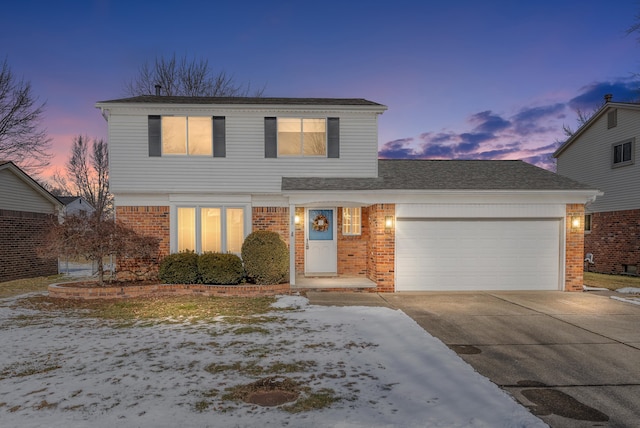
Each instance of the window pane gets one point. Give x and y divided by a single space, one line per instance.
200 136
315 137
235 229
626 152
289 137
186 229
174 134
617 154
211 231
351 221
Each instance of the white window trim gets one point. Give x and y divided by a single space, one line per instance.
633 153
350 226
173 223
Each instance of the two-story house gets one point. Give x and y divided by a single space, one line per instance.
602 154
202 173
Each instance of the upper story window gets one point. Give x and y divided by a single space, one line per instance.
622 153
302 137
352 221
187 135
183 135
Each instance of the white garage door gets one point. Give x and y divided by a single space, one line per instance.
477 254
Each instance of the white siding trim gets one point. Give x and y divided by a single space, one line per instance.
480 211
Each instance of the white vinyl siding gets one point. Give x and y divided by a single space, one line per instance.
245 168
589 160
16 195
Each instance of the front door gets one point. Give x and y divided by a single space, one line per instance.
321 250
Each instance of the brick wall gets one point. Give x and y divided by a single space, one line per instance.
21 233
614 241
352 250
300 244
275 219
147 221
381 260
574 249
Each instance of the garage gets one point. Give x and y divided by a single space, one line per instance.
478 254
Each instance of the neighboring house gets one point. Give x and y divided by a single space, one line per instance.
26 212
602 153
74 205
202 173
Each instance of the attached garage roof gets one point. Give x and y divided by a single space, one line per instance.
443 175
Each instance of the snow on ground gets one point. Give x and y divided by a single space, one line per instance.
631 295
61 370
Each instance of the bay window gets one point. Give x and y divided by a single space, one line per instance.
210 229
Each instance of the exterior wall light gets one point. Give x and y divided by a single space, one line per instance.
388 222
575 222
296 219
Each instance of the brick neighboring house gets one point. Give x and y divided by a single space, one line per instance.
26 211
602 154
202 173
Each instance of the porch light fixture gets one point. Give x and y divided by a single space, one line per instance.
575 222
296 219
388 222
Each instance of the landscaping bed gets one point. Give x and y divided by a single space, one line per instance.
91 290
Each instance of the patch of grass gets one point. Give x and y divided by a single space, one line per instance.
158 309
320 399
27 285
27 368
250 368
612 282
249 329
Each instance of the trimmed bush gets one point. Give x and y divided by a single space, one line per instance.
179 268
218 268
266 258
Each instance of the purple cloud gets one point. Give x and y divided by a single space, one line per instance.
592 95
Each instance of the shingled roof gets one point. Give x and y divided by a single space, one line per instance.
443 175
159 99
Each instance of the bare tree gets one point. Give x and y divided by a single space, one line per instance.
21 138
88 173
95 238
184 77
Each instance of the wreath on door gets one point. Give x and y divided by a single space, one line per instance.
320 223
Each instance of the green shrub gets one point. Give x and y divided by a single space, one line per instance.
265 257
179 268
218 268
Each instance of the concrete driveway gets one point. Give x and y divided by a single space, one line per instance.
572 358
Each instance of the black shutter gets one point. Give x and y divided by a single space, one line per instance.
219 137
155 136
270 137
333 137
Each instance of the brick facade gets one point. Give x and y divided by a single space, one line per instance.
353 249
614 241
147 221
275 219
21 234
574 249
382 248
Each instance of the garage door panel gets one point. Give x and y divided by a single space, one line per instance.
477 255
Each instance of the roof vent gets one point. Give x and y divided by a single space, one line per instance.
607 98
158 87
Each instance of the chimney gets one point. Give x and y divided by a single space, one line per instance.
158 87
607 98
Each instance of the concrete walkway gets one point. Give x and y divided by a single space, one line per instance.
572 358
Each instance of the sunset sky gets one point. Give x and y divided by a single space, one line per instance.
462 79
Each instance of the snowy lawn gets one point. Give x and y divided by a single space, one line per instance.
352 366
